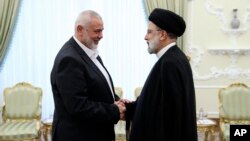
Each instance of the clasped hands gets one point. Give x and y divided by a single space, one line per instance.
122 108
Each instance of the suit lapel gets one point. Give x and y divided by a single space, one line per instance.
92 65
100 60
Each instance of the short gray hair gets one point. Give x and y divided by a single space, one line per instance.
85 17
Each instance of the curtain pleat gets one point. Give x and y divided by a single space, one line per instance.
8 12
43 26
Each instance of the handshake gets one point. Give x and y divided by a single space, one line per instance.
121 104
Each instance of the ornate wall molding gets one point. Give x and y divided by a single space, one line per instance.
219 13
232 71
215 10
233 53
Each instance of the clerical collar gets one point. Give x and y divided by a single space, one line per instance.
92 53
164 49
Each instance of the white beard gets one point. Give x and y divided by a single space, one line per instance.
90 43
152 46
93 45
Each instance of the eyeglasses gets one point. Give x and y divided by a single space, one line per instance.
151 31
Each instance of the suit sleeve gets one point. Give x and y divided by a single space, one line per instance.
72 86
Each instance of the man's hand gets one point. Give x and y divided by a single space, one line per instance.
122 109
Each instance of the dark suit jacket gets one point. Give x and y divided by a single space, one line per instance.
165 109
84 109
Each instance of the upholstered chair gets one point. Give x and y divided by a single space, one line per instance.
189 58
234 107
137 92
21 113
120 126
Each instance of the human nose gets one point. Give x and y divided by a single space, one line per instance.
146 37
100 35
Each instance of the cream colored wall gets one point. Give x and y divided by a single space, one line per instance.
219 54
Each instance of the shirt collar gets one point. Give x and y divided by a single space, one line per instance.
92 53
164 49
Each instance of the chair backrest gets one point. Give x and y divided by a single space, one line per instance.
137 92
119 91
189 58
234 102
22 102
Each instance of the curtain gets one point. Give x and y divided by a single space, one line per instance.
8 11
176 6
43 26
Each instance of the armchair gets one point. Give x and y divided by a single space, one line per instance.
137 92
234 102
119 92
21 113
120 126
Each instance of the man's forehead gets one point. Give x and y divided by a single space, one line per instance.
151 25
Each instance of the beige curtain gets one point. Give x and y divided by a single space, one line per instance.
8 12
176 6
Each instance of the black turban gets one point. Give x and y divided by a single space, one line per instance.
168 21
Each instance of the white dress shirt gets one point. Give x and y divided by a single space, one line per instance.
93 54
163 50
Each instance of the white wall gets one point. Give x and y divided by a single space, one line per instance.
219 54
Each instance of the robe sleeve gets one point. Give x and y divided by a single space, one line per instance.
172 98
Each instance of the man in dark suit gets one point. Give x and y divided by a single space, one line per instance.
86 107
165 109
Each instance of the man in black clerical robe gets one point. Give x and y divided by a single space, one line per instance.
165 109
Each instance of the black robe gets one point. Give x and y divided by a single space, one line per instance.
165 109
